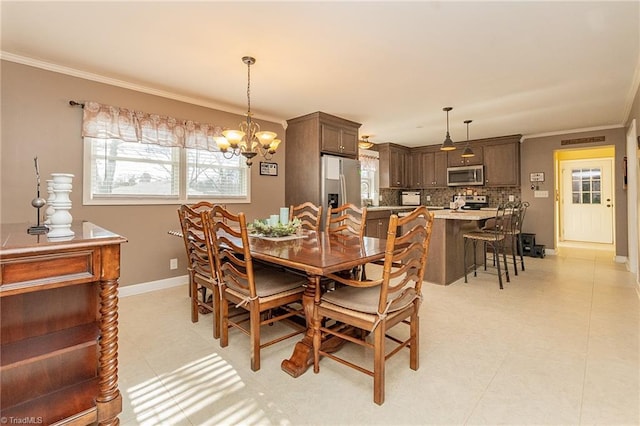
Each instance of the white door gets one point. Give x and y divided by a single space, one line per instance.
587 200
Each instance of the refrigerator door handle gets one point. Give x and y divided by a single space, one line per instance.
343 188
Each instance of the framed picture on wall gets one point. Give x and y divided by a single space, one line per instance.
268 169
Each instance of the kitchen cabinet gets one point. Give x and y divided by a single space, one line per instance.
455 158
377 223
428 168
502 162
395 166
59 318
338 140
306 138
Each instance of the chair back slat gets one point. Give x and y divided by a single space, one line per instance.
193 236
405 255
227 240
309 215
346 219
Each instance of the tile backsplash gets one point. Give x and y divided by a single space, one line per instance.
442 196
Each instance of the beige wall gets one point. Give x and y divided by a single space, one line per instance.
537 155
38 121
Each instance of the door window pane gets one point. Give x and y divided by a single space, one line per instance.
585 186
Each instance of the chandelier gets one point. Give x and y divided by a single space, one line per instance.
248 140
447 145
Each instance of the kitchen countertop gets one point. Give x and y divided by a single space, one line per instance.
383 208
465 214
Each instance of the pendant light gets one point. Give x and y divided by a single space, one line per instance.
468 152
364 143
447 145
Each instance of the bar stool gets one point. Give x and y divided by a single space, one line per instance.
516 235
491 238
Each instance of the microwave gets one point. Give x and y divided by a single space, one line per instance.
465 175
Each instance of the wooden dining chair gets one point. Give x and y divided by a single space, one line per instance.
267 294
347 220
376 306
203 283
309 215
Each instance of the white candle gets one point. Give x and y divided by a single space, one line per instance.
284 215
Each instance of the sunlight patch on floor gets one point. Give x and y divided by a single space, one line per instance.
195 387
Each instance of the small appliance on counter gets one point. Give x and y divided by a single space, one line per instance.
472 202
410 198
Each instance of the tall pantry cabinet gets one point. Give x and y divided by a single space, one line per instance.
307 137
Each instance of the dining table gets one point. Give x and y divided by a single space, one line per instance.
315 254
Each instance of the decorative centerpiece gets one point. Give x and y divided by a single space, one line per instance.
261 227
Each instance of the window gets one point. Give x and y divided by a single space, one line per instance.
585 186
132 157
118 172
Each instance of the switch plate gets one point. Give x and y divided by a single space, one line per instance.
512 198
428 197
173 263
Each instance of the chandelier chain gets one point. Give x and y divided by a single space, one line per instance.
249 88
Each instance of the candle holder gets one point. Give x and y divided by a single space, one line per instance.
38 203
61 219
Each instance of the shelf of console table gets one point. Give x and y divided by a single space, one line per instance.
58 318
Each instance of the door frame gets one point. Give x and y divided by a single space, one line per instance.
600 152
633 201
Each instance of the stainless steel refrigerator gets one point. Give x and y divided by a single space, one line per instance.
340 181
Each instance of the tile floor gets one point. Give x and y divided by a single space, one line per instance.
559 345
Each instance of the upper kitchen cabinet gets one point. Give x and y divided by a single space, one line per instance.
307 137
339 140
455 158
428 168
326 133
502 161
395 166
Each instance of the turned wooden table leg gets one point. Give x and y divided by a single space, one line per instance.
302 357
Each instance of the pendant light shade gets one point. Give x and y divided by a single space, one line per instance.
364 143
468 152
447 145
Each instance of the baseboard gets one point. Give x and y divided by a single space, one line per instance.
622 259
131 290
550 251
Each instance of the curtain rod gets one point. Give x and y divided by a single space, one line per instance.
74 103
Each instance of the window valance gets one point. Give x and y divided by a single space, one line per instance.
112 122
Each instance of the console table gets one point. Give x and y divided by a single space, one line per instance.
59 326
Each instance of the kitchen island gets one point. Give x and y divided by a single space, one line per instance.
445 260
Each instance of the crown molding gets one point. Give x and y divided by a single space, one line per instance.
48 66
566 132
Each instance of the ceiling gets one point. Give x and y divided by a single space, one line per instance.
533 68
